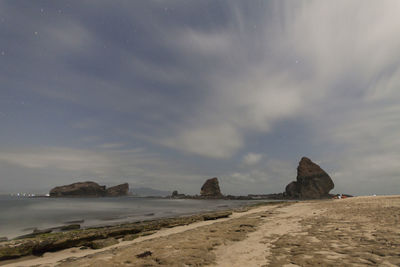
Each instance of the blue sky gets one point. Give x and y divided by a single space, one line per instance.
167 94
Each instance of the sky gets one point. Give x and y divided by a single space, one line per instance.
165 94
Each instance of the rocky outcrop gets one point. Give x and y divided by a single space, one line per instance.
50 242
89 189
217 215
312 182
102 243
118 190
210 189
175 194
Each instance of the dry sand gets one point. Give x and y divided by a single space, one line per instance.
361 231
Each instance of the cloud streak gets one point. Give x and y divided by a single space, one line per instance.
209 86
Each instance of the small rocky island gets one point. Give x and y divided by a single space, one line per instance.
210 189
89 189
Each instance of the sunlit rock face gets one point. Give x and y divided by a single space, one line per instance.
312 182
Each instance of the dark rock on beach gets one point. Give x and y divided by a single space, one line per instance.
217 215
312 182
102 243
70 227
144 254
210 189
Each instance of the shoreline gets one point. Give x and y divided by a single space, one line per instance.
354 231
114 212
50 242
67 255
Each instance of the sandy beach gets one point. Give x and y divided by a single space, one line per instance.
360 231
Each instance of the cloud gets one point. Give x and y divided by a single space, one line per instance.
269 176
111 145
59 158
216 141
88 123
252 158
311 77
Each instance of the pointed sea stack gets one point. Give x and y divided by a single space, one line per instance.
210 189
312 182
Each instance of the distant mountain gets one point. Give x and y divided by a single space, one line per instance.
149 192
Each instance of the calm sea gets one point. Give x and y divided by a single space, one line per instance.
19 215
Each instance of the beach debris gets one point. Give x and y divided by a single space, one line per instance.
340 196
144 254
102 243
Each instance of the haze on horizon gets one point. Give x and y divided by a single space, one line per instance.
167 94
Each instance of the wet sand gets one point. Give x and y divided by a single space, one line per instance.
361 231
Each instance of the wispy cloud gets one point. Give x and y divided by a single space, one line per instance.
201 85
252 158
111 145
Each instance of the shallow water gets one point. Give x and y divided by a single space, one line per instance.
20 215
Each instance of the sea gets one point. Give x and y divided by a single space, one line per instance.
20 215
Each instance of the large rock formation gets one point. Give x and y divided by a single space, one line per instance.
89 189
312 182
210 189
118 190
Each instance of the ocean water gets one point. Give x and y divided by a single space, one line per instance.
19 215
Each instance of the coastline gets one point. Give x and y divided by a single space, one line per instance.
354 231
23 215
42 242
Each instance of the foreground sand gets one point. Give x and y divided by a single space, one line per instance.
358 231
